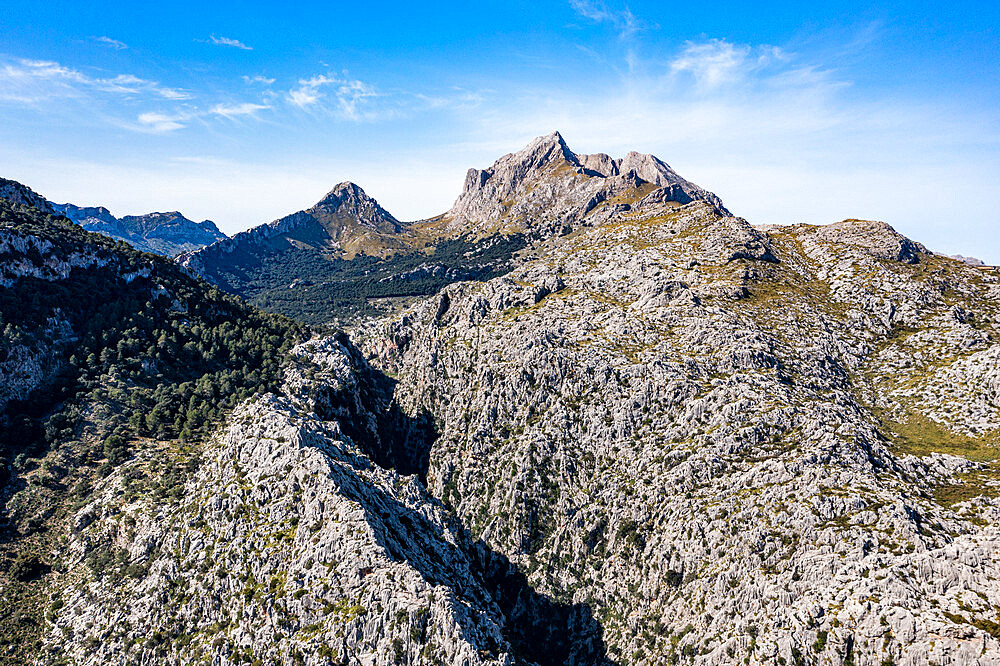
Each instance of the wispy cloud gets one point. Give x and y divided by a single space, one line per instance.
308 92
237 110
32 81
263 80
160 123
454 99
717 62
157 122
113 43
228 41
349 95
598 11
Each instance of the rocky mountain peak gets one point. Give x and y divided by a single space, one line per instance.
549 184
542 151
345 222
347 199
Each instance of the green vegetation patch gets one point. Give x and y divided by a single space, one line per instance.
919 435
308 286
979 483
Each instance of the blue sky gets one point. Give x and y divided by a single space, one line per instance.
244 112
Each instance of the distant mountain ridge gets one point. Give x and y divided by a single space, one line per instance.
167 233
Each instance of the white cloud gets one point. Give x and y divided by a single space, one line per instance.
595 11
257 79
226 41
349 95
598 11
33 81
718 62
236 110
160 123
113 43
308 93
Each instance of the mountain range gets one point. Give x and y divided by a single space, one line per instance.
167 234
605 422
347 255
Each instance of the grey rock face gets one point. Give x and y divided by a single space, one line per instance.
547 185
288 545
726 457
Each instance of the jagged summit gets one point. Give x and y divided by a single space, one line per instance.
546 185
540 151
543 149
